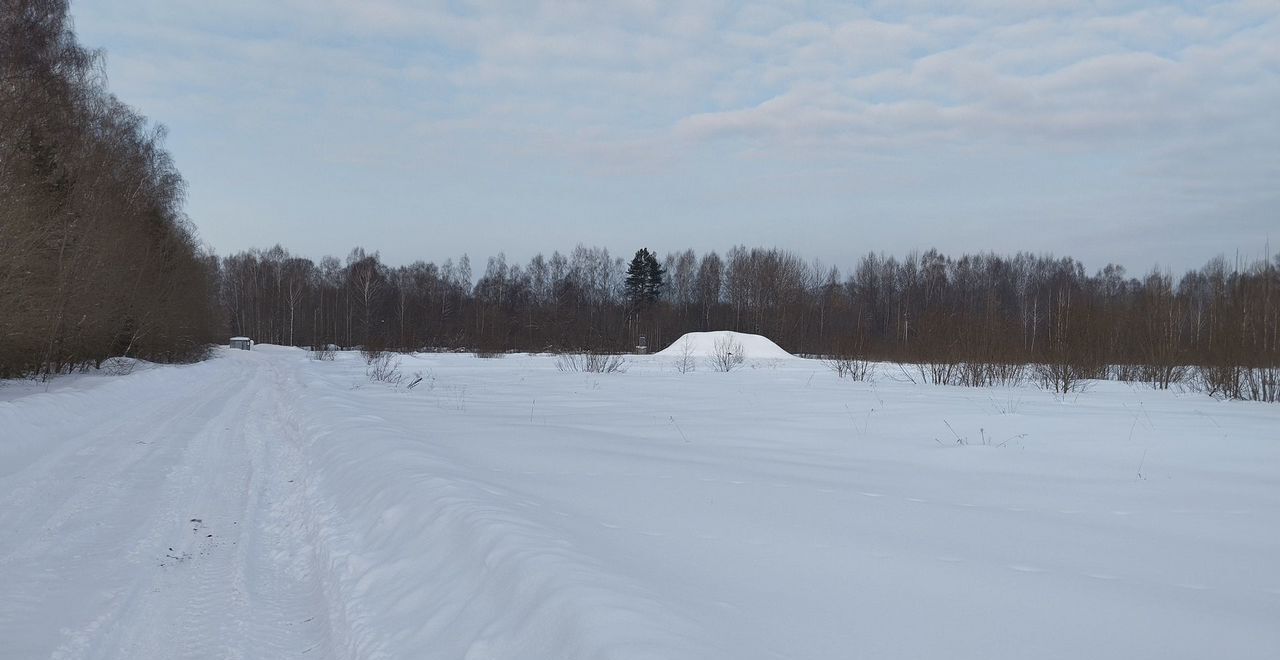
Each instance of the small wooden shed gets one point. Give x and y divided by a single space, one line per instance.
242 343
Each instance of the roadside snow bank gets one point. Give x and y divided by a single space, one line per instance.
703 344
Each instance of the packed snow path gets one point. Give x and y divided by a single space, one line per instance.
159 516
263 506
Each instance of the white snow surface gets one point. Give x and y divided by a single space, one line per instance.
704 344
260 505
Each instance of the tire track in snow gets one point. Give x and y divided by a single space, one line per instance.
91 528
193 554
241 596
101 462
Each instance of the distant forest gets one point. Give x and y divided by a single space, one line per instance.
97 260
926 308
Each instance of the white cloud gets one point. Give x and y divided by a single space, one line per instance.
1167 95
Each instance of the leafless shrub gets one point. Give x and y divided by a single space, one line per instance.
1125 373
371 354
727 355
591 362
384 368
991 374
1008 374
940 372
1220 381
1262 384
119 366
489 355
684 357
322 352
849 367
1161 376
903 375
1243 383
967 373
1060 377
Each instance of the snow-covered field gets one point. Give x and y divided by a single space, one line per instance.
261 505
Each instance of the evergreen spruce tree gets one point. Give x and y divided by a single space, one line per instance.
636 285
654 278
645 279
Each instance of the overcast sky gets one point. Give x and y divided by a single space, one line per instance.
1133 132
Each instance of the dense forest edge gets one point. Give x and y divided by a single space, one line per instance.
97 260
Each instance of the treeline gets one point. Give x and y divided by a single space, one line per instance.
96 256
965 318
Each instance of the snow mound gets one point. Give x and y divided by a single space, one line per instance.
703 344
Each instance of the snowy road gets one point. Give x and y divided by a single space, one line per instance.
160 524
263 506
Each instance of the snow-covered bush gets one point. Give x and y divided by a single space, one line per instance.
599 363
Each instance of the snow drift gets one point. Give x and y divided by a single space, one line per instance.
703 344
